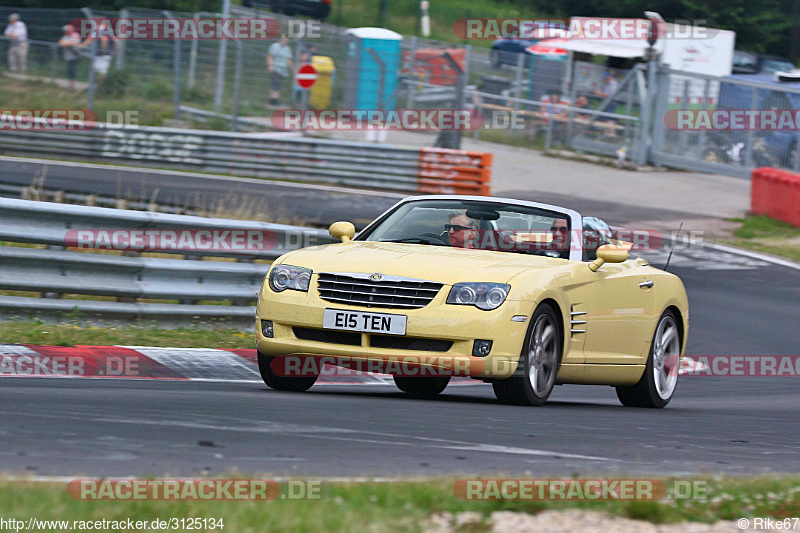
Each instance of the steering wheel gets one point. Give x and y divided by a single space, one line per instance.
440 238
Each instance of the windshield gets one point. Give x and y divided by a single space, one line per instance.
476 225
776 65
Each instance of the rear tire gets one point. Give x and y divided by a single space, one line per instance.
535 376
274 381
657 385
428 387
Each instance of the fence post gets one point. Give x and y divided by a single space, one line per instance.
53 61
237 84
176 71
521 58
411 73
193 55
644 145
90 89
121 44
748 156
458 104
223 47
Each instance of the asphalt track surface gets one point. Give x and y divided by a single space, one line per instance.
739 306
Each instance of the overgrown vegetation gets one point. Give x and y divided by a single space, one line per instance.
764 234
399 506
72 334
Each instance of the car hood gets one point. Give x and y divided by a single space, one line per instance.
434 263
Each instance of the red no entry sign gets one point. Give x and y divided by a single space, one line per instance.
306 76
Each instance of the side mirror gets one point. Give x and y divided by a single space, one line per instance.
344 231
609 253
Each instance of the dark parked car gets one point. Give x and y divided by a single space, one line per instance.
318 9
506 50
750 63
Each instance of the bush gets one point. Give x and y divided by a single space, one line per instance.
114 85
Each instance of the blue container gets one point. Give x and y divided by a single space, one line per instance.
363 88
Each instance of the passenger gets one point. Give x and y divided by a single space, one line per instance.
560 231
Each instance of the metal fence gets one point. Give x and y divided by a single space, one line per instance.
562 103
263 155
124 285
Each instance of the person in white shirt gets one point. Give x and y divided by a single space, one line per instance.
17 33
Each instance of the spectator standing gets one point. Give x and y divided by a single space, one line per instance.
279 65
17 33
106 46
69 43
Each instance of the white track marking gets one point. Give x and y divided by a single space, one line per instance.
16 349
200 363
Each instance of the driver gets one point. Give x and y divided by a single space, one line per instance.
462 230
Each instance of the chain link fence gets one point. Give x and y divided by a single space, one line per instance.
540 100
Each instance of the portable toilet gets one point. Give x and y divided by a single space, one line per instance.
363 82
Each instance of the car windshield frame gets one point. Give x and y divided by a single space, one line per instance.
574 218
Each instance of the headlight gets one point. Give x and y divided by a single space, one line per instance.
283 277
486 296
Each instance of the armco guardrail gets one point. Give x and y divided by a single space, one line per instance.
59 270
262 155
776 193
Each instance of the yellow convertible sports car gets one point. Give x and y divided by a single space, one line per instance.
518 294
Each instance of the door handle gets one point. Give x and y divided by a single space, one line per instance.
646 284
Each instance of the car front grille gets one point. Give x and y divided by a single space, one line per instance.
323 335
390 292
409 343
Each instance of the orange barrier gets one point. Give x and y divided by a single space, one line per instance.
776 194
430 63
444 171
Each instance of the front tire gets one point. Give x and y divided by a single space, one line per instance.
274 381
657 385
535 376
428 387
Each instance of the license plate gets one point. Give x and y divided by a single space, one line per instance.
364 322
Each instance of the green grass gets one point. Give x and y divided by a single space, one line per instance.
396 506
36 332
764 234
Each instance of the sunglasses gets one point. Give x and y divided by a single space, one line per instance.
562 228
456 227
